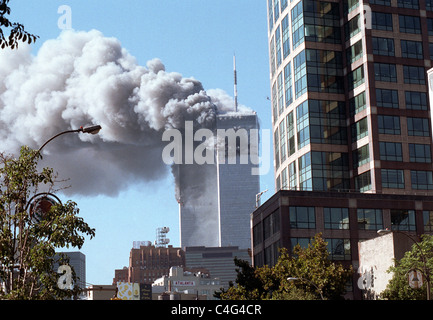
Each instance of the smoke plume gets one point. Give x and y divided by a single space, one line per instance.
84 78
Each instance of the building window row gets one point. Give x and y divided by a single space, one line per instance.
391 125
394 179
304 217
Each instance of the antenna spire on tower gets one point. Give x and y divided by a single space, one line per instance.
235 83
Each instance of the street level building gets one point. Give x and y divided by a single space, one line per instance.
343 218
376 256
180 281
218 260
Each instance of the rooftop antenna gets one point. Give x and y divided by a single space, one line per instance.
236 83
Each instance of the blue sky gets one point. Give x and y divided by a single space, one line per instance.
196 38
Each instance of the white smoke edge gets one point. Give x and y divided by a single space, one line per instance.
83 78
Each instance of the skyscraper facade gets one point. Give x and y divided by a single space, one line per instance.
350 96
217 198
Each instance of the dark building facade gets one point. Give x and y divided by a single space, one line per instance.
343 218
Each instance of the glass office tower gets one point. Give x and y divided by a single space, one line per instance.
349 95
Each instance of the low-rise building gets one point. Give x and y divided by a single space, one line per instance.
376 256
181 281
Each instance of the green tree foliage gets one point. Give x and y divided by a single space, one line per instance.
316 276
27 244
16 30
398 287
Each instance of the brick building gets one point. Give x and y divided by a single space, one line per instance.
148 263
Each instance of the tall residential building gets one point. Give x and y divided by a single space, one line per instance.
350 96
217 198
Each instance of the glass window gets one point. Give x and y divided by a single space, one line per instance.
359 129
361 156
381 2
430 47
322 21
370 219
357 103
390 151
392 178
354 52
303 242
280 84
302 218
381 21
324 71
288 84
278 45
350 5
297 25
270 15
336 218
352 27
385 72
409 24
305 172
419 153
277 148
414 74
421 180
416 100
383 46
283 146
411 49
291 133
389 124
327 122
303 124
403 220
274 102
430 26
330 170
409 4
363 182
356 78
286 36
276 9
300 70
339 249
428 221
292 176
387 98
429 5
418 127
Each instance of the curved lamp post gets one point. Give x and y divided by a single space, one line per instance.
91 130
426 271
312 283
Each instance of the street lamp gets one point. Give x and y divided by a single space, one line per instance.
426 271
303 279
90 130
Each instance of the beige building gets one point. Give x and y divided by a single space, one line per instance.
376 256
185 282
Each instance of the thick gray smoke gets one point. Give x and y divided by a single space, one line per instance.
84 78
